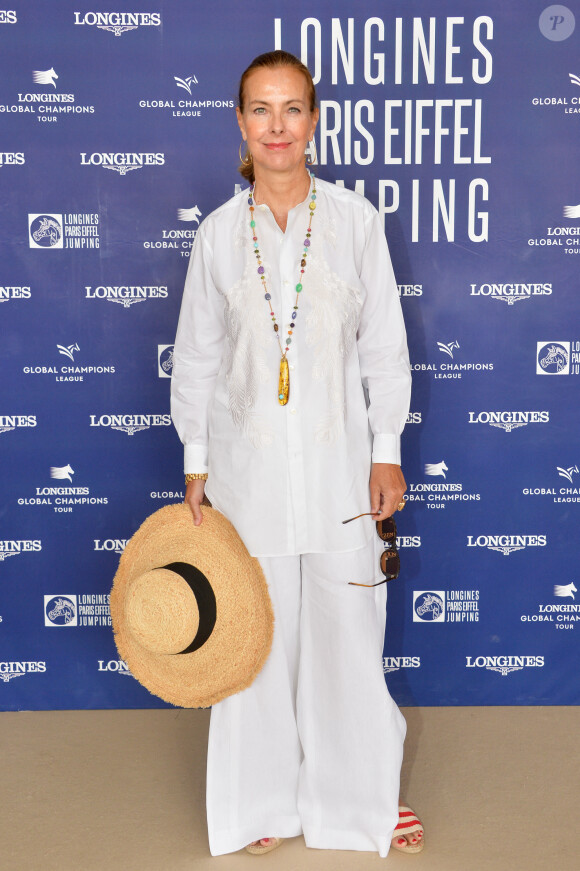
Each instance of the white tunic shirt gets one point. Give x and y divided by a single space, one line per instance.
286 476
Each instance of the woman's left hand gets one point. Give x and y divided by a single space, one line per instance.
387 486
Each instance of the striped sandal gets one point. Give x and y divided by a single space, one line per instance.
409 822
258 848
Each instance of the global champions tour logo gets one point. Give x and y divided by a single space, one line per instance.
46 104
50 231
178 240
561 615
62 499
438 494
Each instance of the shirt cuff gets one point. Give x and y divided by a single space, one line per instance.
195 459
387 448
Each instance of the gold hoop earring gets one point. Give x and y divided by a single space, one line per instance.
247 158
312 154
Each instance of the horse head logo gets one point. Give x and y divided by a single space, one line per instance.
567 473
61 472
567 590
436 468
448 349
63 611
430 607
44 77
555 358
186 83
68 350
49 230
192 214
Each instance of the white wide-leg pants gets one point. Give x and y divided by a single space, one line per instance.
314 746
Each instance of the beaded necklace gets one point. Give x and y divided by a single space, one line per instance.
284 378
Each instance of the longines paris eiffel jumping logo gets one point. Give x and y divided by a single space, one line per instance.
52 231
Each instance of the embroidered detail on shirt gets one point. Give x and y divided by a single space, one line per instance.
247 339
331 325
326 229
241 234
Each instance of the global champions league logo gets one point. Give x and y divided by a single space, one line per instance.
561 494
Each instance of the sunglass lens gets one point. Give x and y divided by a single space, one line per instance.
386 529
390 563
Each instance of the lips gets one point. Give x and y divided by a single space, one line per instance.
277 146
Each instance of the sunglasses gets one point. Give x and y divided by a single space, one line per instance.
389 562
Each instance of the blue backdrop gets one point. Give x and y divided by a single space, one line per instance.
459 121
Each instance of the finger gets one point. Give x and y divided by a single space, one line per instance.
197 515
195 508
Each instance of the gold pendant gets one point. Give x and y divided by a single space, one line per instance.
284 382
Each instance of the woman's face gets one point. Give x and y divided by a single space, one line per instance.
277 122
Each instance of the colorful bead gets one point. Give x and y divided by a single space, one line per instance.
283 397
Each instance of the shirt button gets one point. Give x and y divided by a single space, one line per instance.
292 411
291 366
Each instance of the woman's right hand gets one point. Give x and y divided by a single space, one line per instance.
194 495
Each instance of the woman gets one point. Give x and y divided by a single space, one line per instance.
290 317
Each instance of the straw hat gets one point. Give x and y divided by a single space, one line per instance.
190 608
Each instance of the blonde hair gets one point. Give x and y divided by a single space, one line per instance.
272 60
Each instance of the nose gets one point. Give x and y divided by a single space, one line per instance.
277 125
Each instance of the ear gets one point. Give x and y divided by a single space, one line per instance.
241 124
315 116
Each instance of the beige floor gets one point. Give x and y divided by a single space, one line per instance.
497 788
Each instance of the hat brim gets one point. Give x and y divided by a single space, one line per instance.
241 639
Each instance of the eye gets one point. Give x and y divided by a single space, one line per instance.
259 110
294 109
